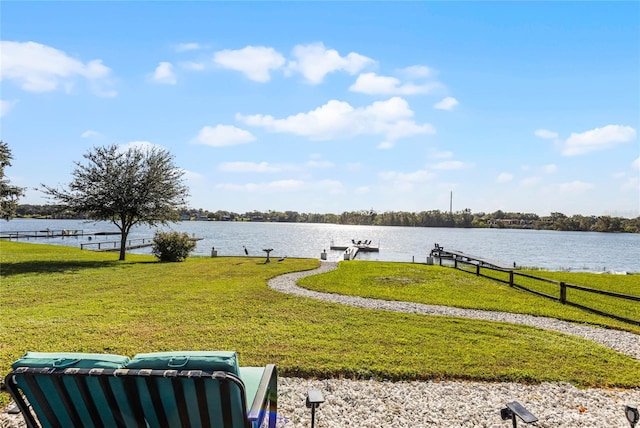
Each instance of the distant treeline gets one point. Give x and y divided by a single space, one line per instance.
433 218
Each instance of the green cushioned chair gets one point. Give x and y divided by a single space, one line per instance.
167 389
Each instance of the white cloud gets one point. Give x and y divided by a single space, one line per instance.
550 169
192 46
632 183
598 139
6 106
248 167
265 167
434 154
372 84
314 61
504 177
416 71
575 186
546 134
406 181
447 103
636 163
39 68
223 135
420 176
390 118
354 167
90 134
320 164
386 145
285 186
255 62
279 186
452 165
192 65
530 181
164 74
362 190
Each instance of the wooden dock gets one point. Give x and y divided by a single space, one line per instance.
131 244
94 245
458 256
51 233
351 251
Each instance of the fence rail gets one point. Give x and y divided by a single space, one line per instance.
115 245
479 264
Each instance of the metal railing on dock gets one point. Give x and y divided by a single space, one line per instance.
131 244
557 290
50 233
352 250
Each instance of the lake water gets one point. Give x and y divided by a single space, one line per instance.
551 250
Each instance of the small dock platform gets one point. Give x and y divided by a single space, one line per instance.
351 251
440 253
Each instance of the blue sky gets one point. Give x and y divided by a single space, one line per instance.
335 106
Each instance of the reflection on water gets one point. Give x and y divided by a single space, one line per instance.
545 249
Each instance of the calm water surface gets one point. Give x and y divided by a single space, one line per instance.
552 250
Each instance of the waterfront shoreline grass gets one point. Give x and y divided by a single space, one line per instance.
65 299
439 285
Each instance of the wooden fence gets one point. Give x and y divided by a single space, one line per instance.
509 276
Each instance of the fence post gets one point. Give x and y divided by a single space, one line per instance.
478 269
511 278
455 263
563 292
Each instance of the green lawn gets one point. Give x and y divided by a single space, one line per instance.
55 298
439 285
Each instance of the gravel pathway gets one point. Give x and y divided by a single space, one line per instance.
375 404
621 341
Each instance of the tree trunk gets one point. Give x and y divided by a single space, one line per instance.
124 227
123 245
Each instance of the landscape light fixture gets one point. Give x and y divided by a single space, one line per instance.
632 415
514 409
314 399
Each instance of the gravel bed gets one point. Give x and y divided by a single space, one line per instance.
364 404
374 404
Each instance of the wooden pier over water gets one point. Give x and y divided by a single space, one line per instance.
131 244
94 245
351 251
51 233
458 256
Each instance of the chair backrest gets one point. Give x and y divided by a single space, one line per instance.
73 397
65 392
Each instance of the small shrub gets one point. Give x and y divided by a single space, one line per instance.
172 246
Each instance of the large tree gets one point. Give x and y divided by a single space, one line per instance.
9 194
140 185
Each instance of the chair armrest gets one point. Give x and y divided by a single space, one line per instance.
267 393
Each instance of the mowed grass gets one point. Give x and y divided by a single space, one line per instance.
56 298
438 285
